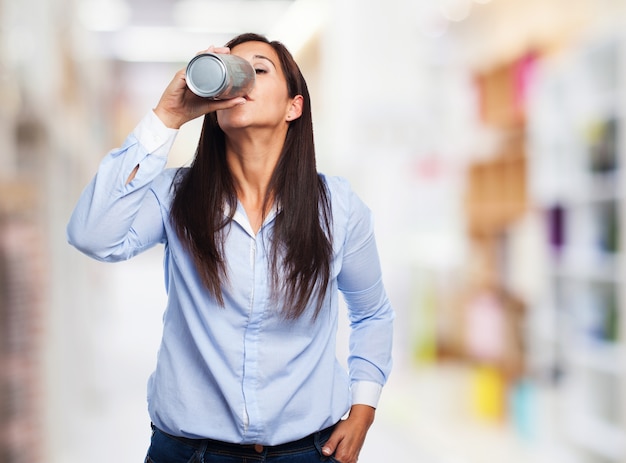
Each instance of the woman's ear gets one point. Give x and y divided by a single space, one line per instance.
295 108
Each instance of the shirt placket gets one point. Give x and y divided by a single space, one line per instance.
252 418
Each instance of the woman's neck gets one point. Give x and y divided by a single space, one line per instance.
252 162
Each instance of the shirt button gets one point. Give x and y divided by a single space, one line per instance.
258 448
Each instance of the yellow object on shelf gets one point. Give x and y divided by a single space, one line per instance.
487 393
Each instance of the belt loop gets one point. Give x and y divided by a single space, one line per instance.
317 438
201 451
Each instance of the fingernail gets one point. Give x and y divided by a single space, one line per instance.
326 451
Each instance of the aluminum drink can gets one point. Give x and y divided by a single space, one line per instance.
220 76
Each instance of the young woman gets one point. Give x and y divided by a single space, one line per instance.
258 245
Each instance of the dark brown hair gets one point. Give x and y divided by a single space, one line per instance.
301 249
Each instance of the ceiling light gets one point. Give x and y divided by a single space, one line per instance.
103 15
159 44
234 16
302 21
456 10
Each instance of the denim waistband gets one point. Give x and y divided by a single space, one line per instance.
212 445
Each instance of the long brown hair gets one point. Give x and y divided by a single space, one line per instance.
301 243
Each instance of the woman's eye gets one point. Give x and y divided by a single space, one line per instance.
260 71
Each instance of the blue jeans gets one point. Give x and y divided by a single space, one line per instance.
170 449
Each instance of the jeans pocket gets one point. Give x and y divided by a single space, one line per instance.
164 449
324 458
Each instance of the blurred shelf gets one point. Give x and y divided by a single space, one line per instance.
596 187
577 147
604 439
599 355
589 265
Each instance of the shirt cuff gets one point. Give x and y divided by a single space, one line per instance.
366 393
154 135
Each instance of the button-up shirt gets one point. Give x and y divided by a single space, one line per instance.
241 373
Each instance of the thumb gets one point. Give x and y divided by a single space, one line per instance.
331 445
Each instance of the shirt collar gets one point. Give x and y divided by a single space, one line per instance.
242 219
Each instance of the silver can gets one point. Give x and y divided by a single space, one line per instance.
220 76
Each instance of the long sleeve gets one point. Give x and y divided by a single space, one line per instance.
115 219
370 311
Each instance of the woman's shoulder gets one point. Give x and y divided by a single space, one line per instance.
350 214
336 184
342 195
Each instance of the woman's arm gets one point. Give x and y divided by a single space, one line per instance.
371 322
117 215
369 309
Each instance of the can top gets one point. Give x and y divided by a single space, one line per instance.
206 75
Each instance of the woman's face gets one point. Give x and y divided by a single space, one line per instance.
268 105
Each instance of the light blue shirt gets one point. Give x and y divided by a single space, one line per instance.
240 373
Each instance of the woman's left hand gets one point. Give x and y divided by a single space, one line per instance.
347 439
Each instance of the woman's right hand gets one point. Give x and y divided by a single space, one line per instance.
179 105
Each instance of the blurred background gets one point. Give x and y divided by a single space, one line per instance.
487 138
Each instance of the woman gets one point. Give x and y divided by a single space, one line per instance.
257 246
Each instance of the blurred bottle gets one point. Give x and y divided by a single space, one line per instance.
220 76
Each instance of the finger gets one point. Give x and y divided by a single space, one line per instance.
214 49
346 453
223 50
206 50
209 106
328 450
331 444
176 85
226 104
